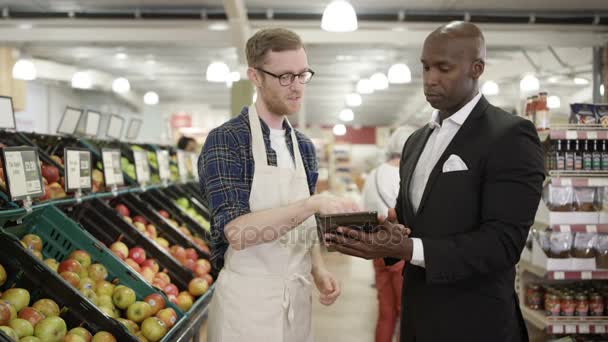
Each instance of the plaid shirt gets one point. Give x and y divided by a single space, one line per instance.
226 169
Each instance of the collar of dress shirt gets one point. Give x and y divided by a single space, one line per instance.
459 117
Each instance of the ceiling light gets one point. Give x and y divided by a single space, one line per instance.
121 56
346 115
151 98
24 70
353 100
339 16
339 129
379 81
553 79
217 72
365 86
219 26
229 83
529 84
235 76
24 26
581 81
553 102
602 89
344 58
490 88
82 80
121 85
151 62
399 74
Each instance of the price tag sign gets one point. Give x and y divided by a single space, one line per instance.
22 170
181 166
162 158
142 168
78 169
194 161
111 167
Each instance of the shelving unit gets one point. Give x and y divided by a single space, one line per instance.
565 325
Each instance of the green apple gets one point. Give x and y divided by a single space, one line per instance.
52 263
51 329
139 311
9 332
47 307
108 310
123 297
104 288
90 294
82 332
22 327
30 339
130 325
19 298
2 275
74 338
11 308
86 283
97 272
103 336
153 329
105 300
82 257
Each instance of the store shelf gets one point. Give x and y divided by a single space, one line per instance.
565 325
578 179
562 275
581 228
574 132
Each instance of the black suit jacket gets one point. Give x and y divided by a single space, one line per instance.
473 226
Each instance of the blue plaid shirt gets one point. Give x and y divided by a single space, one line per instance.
226 169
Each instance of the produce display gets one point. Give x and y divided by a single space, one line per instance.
184 204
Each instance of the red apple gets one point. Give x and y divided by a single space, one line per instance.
134 265
5 313
163 213
153 264
209 278
205 263
120 249
189 264
141 219
57 191
50 173
47 193
178 252
156 301
71 277
82 257
137 254
185 301
151 230
33 242
17 297
47 307
122 210
164 276
171 289
148 274
168 316
31 315
191 254
70 265
198 286
200 270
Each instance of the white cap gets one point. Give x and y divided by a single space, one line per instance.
397 140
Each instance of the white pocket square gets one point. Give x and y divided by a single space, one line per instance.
454 163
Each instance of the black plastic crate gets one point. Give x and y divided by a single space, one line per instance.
106 224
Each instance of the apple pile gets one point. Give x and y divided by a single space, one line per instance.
39 322
184 204
195 239
53 182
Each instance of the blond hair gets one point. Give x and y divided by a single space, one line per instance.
270 39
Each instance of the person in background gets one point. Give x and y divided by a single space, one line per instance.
187 144
379 194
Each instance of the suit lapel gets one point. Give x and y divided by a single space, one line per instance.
418 147
457 144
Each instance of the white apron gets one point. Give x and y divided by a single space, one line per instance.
264 292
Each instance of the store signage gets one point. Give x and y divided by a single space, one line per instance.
115 127
111 167
7 115
78 169
181 166
69 120
179 120
22 170
92 123
194 161
162 158
142 168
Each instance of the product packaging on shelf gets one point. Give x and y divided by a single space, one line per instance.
583 114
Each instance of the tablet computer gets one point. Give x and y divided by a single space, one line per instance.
366 221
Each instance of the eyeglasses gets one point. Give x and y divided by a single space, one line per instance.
288 78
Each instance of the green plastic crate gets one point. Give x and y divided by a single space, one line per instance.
61 236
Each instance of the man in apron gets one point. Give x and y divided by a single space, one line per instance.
257 174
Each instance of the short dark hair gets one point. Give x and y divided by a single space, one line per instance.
270 39
182 143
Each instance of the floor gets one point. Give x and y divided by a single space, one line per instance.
353 317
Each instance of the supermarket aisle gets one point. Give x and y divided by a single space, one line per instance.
353 317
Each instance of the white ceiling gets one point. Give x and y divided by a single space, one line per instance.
180 60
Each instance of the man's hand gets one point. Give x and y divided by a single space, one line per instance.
328 286
329 204
389 241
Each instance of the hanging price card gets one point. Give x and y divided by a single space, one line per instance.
78 169
22 171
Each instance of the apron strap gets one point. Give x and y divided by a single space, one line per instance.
258 148
296 148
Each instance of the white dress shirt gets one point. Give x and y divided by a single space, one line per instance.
438 142
279 145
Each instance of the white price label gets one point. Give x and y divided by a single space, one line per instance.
564 228
592 135
591 228
162 158
194 161
586 275
181 166
141 166
570 329
78 169
23 172
599 329
583 329
558 275
558 329
111 168
571 135
566 182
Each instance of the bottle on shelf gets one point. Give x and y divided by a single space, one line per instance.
541 112
604 156
578 156
597 156
560 157
587 157
569 154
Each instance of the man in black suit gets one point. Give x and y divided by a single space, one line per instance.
471 182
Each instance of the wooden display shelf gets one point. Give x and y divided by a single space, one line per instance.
565 325
563 275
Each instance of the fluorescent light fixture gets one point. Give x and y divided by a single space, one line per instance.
219 26
553 79
353 100
529 83
379 81
602 89
581 81
339 16
82 80
121 85
217 72
490 88
151 98
365 86
347 115
339 130
553 102
24 70
121 56
399 74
